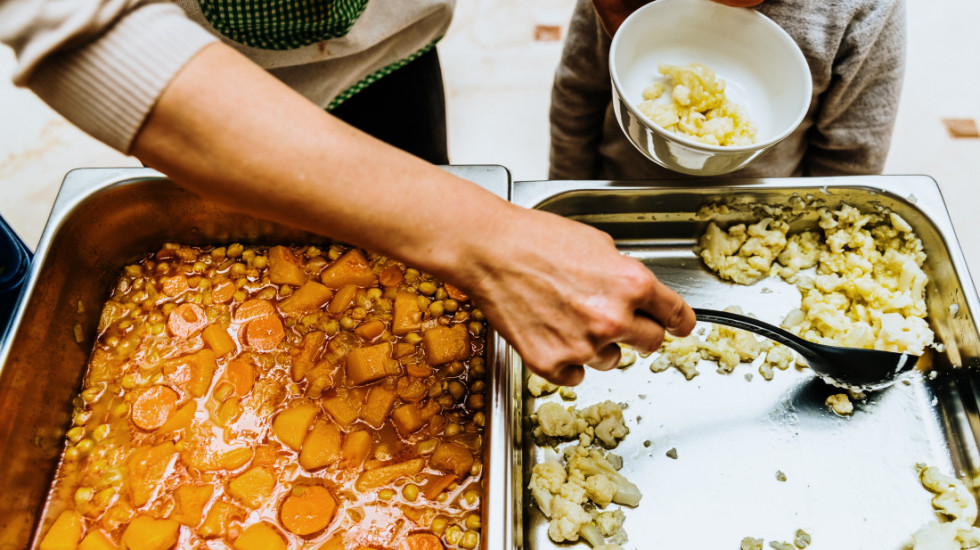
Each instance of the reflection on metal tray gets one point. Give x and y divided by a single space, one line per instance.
849 482
101 220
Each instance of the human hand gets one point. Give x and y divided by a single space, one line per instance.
612 13
561 293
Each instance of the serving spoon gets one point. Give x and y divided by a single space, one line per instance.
850 368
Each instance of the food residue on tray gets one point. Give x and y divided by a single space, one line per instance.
801 540
956 509
698 107
276 397
840 404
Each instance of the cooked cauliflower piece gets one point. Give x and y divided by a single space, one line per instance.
957 511
556 421
538 386
743 254
583 462
567 520
750 543
603 421
684 354
840 404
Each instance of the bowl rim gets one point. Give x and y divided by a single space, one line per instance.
643 119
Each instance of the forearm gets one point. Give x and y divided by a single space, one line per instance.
226 129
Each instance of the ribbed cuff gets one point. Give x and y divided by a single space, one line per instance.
109 86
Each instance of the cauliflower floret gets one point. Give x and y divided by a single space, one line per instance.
681 353
585 462
607 418
627 356
840 404
538 386
953 499
600 490
556 421
610 524
546 480
567 520
750 543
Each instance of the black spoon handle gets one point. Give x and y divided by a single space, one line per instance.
753 325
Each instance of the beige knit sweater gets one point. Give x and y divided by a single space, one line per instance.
103 63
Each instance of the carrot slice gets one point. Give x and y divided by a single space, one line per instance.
307 510
241 376
390 276
435 487
186 319
264 333
222 291
455 293
153 407
370 330
176 285
253 309
417 370
342 300
422 541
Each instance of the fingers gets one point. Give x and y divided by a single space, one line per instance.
567 375
606 358
668 309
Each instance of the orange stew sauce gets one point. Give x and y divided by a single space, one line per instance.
273 398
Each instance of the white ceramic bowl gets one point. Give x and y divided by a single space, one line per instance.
763 69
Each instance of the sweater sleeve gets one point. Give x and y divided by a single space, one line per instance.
579 98
102 64
853 126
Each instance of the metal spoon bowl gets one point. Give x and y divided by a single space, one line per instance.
851 368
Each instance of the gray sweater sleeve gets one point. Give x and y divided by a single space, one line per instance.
853 125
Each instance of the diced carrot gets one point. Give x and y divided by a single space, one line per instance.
308 298
422 541
193 372
417 370
146 469
436 486
148 533
378 405
190 501
180 419
264 333
253 309
218 519
260 536
64 533
309 349
253 487
370 330
368 364
291 425
455 293
241 376
153 406
452 458
444 344
350 269
430 409
175 286
406 419
96 540
406 315
343 299
229 411
411 389
222 291
321 447
235 458
341 411
404 349
386 474
390 276
307 510
218 339
186 319
356 447
285 268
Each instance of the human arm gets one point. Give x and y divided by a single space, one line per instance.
612 13
557 290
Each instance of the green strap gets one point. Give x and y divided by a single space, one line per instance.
377 75
282 24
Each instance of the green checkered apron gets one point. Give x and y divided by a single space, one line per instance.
291 24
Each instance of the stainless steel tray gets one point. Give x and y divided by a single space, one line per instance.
850 482
102 219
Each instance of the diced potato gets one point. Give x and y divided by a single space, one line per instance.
308 298
235 458
193 372
190 501
341 411
253 487
147 533
260 536
309 349
404 349
452 458
254 309
384 475
180 419
335 542
64 533
322 446
291 425
218 518
350 269
284 267
444 344
218 339
96 540
147 467
407 316
378 405
355 450
365 365
241 376
406 419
